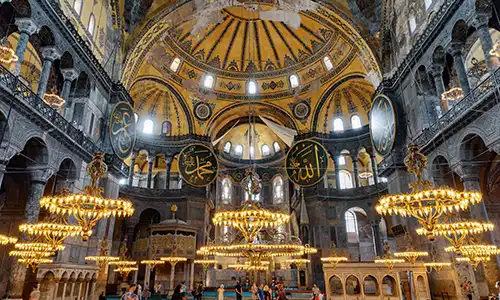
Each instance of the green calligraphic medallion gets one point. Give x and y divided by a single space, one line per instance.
122 129
306 163
198 165
382 125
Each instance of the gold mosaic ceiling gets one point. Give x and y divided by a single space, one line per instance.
243 48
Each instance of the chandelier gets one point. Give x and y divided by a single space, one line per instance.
425 203
152 263
410 254
7 55
437 265
475 254
495 51
125 271
205 262
299 262
456 233
53 233
5 240
34 253
333 259
103 258
88 208
54 100
173 260
250 219
388 259
453 94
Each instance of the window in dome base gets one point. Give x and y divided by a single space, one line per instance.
252 87
208 82
276 147
238 150
266 150
227 147
355 122
148 126
338 125
294 81
174 66
328 63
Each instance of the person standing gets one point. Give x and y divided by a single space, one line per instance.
281 293
102 297
35 294
183 290
254 290
139 291
261 292
239 291
220 292
177 293
316 292
130 294
267 293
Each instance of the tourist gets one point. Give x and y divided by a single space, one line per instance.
267 293
183 290
199 292
273 289
35 294
139 291
102 297
254 291
497 286
316 292
130 294
177 293
220 292
261 291
281 292
239 291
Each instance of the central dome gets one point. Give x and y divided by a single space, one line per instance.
242 43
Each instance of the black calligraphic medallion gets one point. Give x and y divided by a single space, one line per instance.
198 165
122 129
306 163
382 124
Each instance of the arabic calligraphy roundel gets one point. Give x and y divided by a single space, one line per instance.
198 165
122 129
382 124
306 163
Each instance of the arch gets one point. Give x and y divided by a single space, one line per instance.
208 81
266 150
441 172
36 152
227 147
472 147
294 81
459 31
438 56
174 66
166 128
22 8
66 61
336 286
423 82
370 286
77 6
345 179
177 95
352 285
338 125
252 87
276 147
355 122
389 286
227 190
238 150
148 126
421 288
328 63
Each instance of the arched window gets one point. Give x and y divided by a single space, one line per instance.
227 147
252 87
166 128
266 150
148 126
174 66
238 150
77 6
136 117
91 26
294 81
226 190
208 81
412 23
351 223
276 147
278 195
328 63
355 122
427 4
341 160
345 179
338 125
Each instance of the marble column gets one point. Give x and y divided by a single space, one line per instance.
376 237
168 167
150 171
86 295
80 290
26 28
191 277
458 62
39 178
72 290
172 277
56 289
92 289
373 161
50 54
436 72
64 290
147 275
354 158
69 75
131 169
483 30
337 172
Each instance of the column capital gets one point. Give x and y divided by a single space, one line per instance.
41 174
467 171
27 25
481 19
456 48
51 53
436 70
70 74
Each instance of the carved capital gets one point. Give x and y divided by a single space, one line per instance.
482 19
456 48
26 25
69 74
50 53
41 173
467 171
436 70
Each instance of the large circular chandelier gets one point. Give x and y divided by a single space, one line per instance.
456 233
88 208
53 233
34 253
425 203
250 219
475 253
